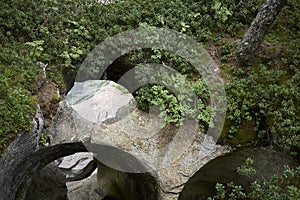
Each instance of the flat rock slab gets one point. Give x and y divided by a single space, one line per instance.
77 164
77 160
100 101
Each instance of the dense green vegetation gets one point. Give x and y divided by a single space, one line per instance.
263 99
282 187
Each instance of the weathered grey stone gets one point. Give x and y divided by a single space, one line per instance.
132 141
79 160
85 189
64 128
100 101
48 184
171 166
108 183
77 166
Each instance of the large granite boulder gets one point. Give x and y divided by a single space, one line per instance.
102 115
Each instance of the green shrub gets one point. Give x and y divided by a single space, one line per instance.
62 33
174 108
284 187
17 104
268 97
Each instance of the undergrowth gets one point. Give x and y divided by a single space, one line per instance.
264 98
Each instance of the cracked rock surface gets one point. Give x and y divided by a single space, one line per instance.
102 115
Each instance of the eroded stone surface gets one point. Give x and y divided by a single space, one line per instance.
77 166
100 101
108 183
171 155
48 184
85 189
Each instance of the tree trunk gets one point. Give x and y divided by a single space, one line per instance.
258 29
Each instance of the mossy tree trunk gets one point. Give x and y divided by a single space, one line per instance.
258 29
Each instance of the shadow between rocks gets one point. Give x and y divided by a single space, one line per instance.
222 169
21 165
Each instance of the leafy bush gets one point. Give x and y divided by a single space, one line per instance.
177 92
270 99
174 108
62 33
17 104
278 188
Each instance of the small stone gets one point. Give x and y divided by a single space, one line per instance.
73 166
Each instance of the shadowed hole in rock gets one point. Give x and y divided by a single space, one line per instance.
118 68
114 72
114 178
107 184
222 169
